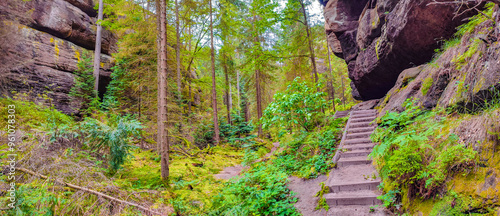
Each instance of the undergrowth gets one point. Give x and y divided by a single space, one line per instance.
417 154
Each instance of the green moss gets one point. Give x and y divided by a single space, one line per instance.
427 85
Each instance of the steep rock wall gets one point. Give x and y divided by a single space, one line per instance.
42 42
465 75
380 38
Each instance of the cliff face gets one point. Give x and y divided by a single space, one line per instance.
379 39
464 75
42 42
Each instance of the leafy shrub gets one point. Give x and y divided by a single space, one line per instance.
407 160
113 136
261 191
237 134
298 107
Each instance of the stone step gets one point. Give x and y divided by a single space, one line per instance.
366 119
341 114
356 153
364 197
358 112
360 124
360 130
360 160
354 186
357 141
358 135
374 115
367 146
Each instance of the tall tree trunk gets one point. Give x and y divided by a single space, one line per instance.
178 61
330 81
97 53
214 92
309 40
257 77
162 90
239 90
226 87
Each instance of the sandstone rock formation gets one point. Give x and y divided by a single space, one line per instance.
42 42
380 39
454 79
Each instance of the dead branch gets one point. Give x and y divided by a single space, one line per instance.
91 191
463 2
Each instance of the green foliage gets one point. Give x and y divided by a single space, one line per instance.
113 136
299 106
322 201
237 134
389 198
37 200
82 93
261 191
413 155
308 155
427 85
31 115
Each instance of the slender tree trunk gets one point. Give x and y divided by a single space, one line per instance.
228 103
214 92
97 54
178 61
257 78
309 40
332 89
239 90
162 90
230 98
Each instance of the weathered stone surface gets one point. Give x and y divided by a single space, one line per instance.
59 18
447 82
86 6
38 63
385 37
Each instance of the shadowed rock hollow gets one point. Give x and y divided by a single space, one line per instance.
380 39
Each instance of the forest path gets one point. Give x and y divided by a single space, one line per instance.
234 171
353 184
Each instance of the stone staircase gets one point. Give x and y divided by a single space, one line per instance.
353 184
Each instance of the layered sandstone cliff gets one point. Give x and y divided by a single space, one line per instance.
41 44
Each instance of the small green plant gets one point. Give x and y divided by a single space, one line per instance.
82 93
114 137
322 201
427 85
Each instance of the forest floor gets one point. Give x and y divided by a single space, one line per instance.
236 170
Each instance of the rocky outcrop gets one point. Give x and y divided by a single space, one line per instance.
42 42
380 39
464 76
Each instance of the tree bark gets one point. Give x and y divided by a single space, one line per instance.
214 92
228 102
238 89
309 40
97 53
178 61
162 91
330 82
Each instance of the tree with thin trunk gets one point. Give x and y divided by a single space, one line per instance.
178 60
331 89
309 40
97 53
162 88
214 92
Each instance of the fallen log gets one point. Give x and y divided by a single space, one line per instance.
91 191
